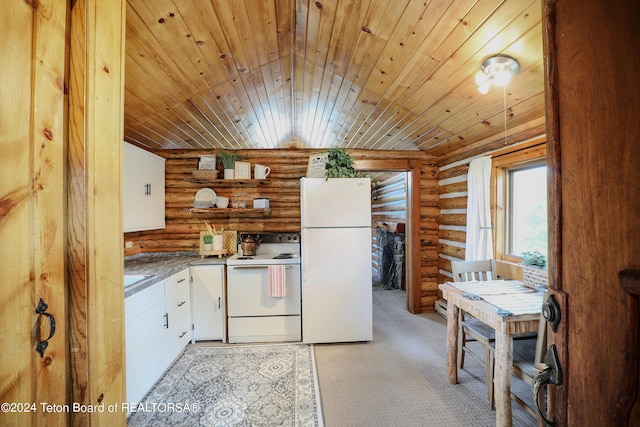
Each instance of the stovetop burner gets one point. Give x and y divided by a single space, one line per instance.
274 249
283 256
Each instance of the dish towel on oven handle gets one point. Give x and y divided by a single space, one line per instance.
277 284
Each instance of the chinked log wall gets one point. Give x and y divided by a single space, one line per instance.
389 206
452 180
452 221
283 189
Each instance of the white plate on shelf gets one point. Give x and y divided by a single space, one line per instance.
206 195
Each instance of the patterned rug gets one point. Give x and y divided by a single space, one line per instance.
259 385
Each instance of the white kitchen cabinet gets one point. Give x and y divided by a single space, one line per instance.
157 329
208 302
145 340
143 190
178 308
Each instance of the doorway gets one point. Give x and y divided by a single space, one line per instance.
389 221
411 168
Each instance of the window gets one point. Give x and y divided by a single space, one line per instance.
519 202
526 210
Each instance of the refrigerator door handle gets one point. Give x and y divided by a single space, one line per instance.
304 261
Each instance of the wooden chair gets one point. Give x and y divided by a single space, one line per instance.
526 353
506 270
471 329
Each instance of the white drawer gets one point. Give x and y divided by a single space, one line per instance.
178 302
178 278
141 301
177 338
265 329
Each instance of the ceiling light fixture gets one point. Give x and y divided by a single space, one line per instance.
497 70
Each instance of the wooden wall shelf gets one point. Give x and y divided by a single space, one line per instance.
229 213
230 182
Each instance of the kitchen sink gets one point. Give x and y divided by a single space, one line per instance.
132 279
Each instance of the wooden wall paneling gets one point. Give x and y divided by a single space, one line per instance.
389 206
532 130
32 209
371 40
361 74
94 191
451 233
390 200
455 235
379 94
466 43
430 31
287 167
453 203
456 187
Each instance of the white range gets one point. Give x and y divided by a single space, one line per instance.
254 315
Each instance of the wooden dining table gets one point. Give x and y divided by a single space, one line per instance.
509 308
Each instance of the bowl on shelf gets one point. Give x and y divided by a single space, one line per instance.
222 202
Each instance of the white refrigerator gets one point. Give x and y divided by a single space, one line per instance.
336 260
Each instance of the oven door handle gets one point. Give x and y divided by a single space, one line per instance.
248 267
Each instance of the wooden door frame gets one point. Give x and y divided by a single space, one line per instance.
592 143
94 214
557 395
412 240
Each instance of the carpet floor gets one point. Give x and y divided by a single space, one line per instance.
399 378
224 386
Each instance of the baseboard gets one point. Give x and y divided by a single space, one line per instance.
441 308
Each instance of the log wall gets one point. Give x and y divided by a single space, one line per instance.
452 190
388 210
287 167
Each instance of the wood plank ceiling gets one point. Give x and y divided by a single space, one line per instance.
375 74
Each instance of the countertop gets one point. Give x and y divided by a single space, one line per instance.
161 265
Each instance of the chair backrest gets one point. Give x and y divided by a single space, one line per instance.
467 271
506 270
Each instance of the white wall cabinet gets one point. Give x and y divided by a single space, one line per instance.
143 190
208 303
157 329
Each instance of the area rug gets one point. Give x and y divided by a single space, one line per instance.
257 385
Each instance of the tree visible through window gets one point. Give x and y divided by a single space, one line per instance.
527 210
519 201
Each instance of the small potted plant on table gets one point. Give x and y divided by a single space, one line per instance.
533 269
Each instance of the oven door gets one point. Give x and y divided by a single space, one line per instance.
248 292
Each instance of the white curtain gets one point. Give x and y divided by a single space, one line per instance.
479 237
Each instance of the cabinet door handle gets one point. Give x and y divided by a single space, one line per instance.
219 303
183 334
181 303
41 309
166 320
181 280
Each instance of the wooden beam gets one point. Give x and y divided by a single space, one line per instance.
95 214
